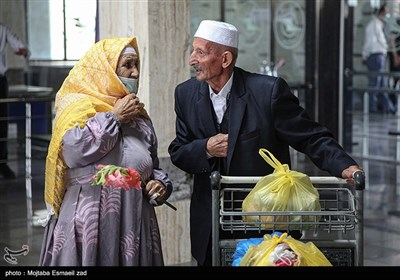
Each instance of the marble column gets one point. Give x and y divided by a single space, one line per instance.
162 30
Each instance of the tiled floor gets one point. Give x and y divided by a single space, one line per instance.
381 229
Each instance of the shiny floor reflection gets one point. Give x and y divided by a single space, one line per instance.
381 203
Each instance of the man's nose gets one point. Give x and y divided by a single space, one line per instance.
192 59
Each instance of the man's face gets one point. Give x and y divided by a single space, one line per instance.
206 59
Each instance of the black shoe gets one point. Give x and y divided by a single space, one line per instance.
6 171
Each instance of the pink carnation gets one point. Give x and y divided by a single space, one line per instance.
118 177
134 179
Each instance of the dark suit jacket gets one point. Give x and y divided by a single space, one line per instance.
263 114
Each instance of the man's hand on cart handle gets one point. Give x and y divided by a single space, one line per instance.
348 173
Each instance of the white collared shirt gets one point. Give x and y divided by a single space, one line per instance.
374 38
219 99
7 37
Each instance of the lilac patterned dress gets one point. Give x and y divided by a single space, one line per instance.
106 226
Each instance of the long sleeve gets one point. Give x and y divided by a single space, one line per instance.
187 150
296 128
88 144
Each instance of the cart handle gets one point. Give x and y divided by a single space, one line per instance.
359 180
217 179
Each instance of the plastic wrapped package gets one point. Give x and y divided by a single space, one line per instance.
283 251
283 190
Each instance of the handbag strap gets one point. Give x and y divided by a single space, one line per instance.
270 159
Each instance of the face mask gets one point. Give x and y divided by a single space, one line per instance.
130 84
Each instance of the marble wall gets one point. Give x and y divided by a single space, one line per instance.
174 225
174 231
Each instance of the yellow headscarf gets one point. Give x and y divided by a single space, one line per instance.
84 92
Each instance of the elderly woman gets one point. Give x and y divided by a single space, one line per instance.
100 121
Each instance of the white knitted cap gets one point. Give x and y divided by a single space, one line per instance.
219 32
129 50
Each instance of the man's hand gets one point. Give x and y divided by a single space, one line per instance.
217 146
22 51
364 61
348 173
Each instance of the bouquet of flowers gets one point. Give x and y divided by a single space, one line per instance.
118 177
122 177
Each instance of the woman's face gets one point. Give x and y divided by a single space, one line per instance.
128 66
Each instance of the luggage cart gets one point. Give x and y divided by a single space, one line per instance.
337 230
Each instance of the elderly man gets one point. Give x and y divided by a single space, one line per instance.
226 114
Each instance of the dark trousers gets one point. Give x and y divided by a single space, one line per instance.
378 101
3 120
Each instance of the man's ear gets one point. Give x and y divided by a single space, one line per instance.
227 58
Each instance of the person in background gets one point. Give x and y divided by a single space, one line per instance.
374 53
394 58
224 116
7 38
100 120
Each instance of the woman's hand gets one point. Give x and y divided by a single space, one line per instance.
155 191
127 108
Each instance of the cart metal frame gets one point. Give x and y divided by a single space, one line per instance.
341 214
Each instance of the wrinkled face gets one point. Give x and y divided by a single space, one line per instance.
206 59
128 66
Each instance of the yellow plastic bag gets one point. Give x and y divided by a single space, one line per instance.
295 253
283 190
